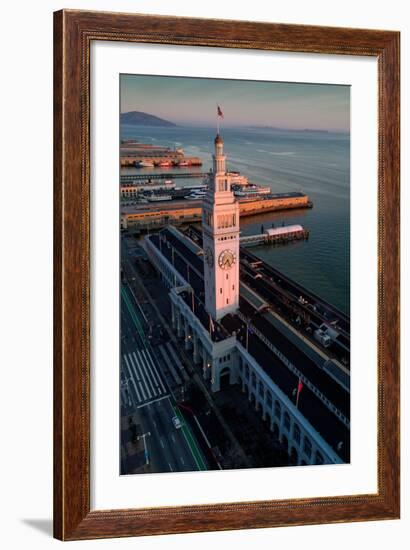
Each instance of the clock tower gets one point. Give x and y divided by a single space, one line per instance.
220 232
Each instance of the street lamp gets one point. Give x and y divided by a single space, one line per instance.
143 437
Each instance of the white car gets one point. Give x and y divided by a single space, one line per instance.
176 422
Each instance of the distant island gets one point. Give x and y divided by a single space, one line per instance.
138 118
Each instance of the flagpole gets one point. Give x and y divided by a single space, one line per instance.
299 389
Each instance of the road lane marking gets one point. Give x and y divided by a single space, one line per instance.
131 377
186 431
170 467
147 378
153 401
162 443
137 374
143 376
182 460
150 374
153 376
156 371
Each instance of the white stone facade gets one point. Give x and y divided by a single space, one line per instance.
220 226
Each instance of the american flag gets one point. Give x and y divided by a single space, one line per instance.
211 325
220 113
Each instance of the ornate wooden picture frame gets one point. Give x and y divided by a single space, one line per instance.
74 32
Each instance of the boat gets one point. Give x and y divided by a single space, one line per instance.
150 185
183 163
197 195
197 188
159 198
144 164
165 163
250 190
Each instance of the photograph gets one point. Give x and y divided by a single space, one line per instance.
234 229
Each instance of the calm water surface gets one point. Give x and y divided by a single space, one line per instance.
313 162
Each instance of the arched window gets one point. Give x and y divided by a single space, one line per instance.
307 447
286 421
296 434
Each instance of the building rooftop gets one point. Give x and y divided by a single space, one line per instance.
284 230
190 266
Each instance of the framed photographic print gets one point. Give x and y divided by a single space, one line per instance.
226 275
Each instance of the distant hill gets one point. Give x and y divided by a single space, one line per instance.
138 118
279 129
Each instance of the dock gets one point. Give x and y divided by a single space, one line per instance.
134 153
177 212
278 235
130 178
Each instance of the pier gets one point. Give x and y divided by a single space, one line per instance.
134 153
278 235
177 212
130 178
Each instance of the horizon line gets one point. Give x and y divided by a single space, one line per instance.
241 125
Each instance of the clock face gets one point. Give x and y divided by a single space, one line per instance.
209 257
226 259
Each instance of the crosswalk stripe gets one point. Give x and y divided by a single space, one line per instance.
149 377
152 378
143 381
134 378
158 376
143 371
154 374
136 374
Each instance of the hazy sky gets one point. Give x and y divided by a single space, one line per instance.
193 101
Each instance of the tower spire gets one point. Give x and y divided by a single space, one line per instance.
218 157
220 234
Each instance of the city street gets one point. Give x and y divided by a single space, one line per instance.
145 396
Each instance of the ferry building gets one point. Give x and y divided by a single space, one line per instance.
236 339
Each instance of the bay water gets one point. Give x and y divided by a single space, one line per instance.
316 163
